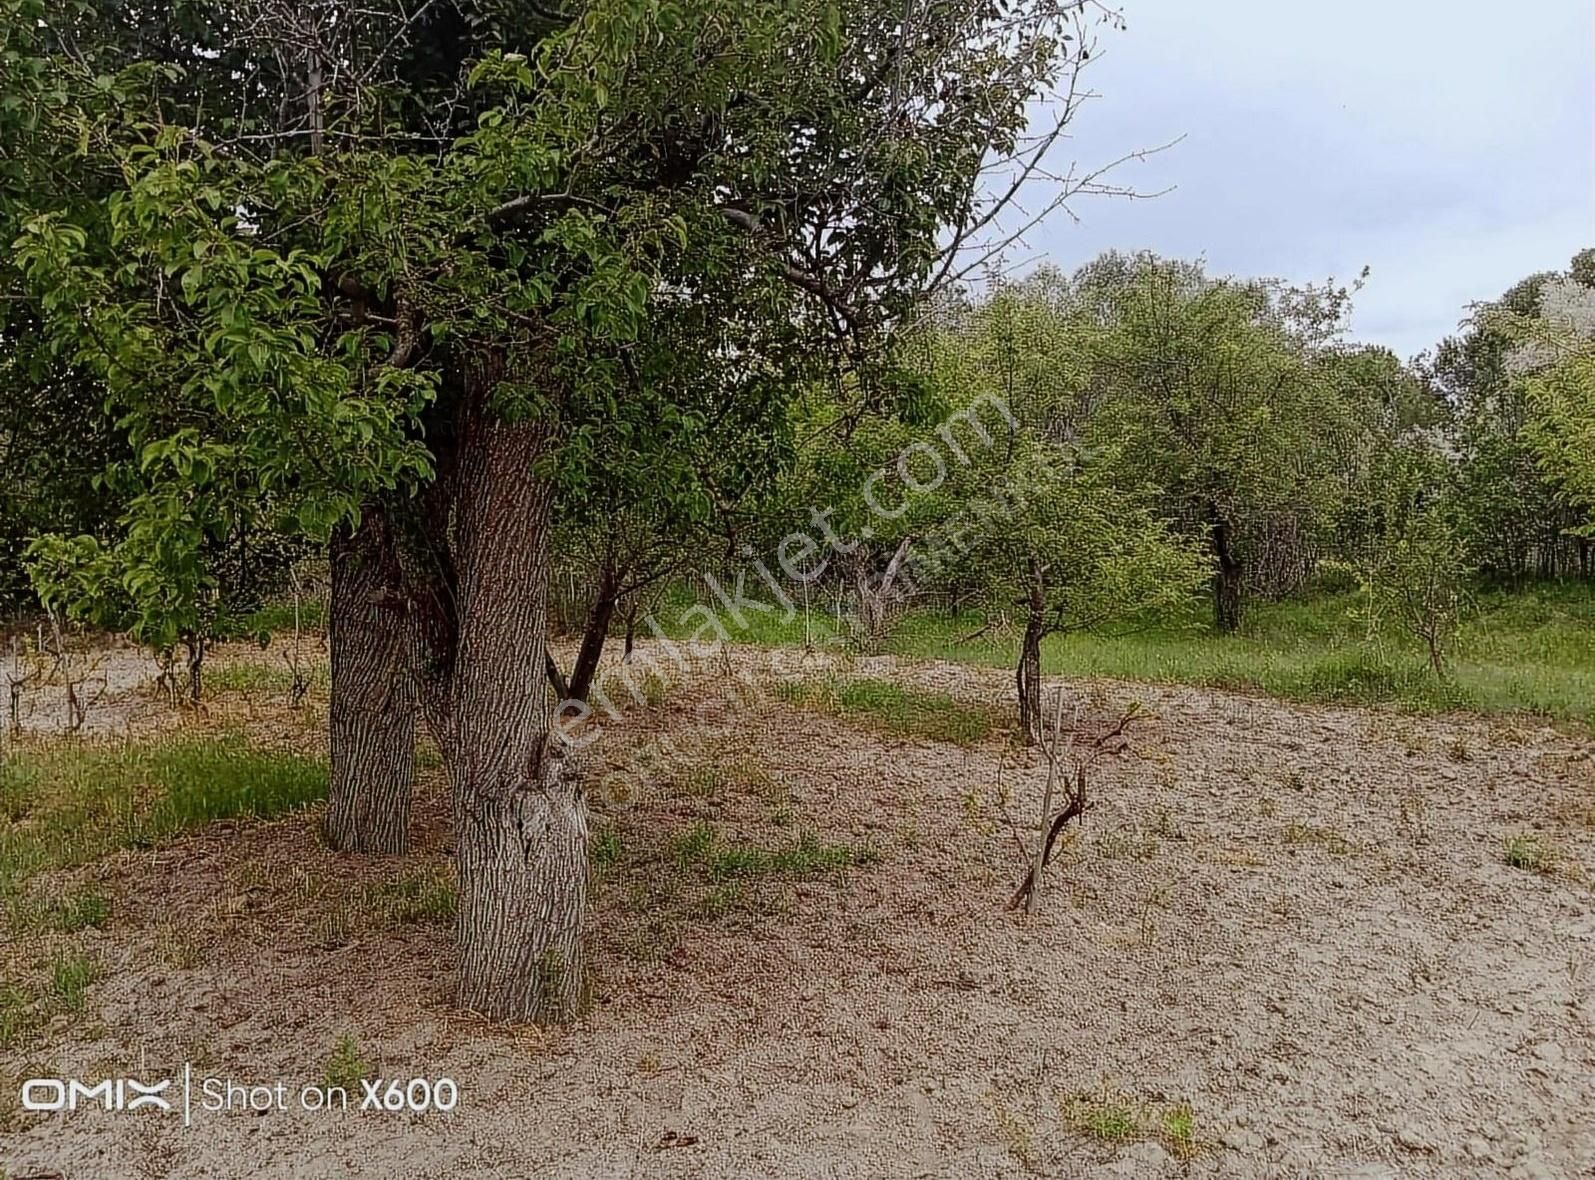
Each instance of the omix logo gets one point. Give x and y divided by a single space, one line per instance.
52 1094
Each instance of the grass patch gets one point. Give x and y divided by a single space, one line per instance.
1531 854
701 848
427 898
605 851
713 778
279 616
68 804
892 708
87 909
1118 1119
19 1015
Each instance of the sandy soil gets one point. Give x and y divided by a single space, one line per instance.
1296 920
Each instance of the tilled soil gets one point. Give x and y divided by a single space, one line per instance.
1297 923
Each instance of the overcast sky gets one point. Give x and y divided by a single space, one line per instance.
1447 144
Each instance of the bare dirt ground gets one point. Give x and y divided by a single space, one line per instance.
1298 921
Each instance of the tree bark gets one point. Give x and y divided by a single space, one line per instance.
519 815
371 725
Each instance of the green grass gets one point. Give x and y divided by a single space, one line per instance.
1531 651
279 616
892 708
69 804
1118 1119
701 847
85 910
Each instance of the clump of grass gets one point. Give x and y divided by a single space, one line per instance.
70 975
74 802
1118 1119
892 708
86 910
346 1067
247 676
426 897
1531 854
1179 1131
808 856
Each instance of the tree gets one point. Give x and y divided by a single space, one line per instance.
1417 571
1060 529
287 268
1554 363
1514 514
1216 389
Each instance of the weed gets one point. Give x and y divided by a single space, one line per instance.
605 850
1531 854
1179 1131
700 847
18 1014
347 1066
1115 1118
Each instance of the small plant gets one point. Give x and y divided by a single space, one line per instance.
1530 854
808 856
1179 1131
70 976
347 1067
605 850
1114 1118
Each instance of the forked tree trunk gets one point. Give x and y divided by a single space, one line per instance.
372 719
520 818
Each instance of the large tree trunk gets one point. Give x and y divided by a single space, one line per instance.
1029 674
1228 579
594 633
520 818
372 721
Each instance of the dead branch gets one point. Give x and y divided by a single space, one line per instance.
1081 757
